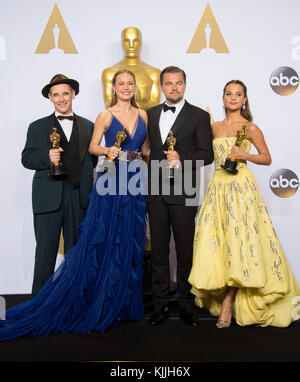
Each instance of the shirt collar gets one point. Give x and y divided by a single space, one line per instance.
56 114
177 105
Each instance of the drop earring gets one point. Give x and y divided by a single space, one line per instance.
243 106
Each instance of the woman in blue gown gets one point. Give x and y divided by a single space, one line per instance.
99 283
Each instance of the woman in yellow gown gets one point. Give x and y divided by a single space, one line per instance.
239 267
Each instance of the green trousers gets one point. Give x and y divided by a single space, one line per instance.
48 227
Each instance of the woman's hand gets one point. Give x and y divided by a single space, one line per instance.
112 152
238 153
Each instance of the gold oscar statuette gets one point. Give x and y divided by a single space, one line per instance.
120 137
231 162
171 142
57 166
147 77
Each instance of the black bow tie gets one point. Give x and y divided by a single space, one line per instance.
61 117
166 108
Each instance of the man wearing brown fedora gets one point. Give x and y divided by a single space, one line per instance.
59 201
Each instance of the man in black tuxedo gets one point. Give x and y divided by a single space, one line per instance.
192 129
59 202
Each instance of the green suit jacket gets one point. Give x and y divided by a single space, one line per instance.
46 189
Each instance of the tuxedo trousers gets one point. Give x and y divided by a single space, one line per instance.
48 227
163 218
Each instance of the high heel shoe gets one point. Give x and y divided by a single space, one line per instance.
225 324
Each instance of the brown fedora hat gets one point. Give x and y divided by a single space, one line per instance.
60 79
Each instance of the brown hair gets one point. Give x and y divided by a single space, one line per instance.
113 95
172 69
245 113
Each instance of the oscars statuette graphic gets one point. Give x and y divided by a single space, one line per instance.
231 162
56 167
56 39
208 37
56 32
171 141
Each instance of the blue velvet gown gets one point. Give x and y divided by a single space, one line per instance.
99 283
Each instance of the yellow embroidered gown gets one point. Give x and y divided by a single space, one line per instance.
236 245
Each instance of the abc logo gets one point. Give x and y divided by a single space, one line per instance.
284 183
284 80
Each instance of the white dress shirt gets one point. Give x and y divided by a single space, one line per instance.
66 125
167 119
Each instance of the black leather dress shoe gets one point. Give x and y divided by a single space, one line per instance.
159 316
187 318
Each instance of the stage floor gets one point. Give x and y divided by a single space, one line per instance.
171 341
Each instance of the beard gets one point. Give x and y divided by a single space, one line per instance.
175 98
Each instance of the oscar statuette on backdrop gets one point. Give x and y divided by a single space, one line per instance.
231 162
56 167
147 77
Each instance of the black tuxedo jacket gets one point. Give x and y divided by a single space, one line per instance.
192 130
46 189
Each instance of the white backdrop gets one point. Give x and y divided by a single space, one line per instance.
261 36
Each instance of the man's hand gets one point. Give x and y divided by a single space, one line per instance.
172 157
54 154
